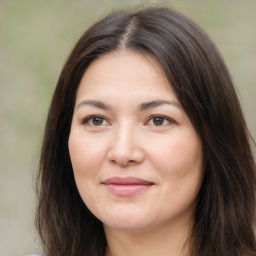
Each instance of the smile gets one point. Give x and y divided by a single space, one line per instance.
126 186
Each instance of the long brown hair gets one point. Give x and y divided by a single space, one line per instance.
225 213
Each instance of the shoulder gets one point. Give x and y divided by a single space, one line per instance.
37 254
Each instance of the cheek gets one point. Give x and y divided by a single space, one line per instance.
179 160
181 149
180 167
86 162
86 154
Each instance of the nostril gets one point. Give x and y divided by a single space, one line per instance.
132 162
126 160
123 162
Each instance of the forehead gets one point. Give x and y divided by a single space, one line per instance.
124 71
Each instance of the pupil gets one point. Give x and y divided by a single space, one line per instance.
97 120
158 120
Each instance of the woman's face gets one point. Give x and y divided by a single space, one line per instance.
136 157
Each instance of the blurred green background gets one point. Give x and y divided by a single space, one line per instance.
35 39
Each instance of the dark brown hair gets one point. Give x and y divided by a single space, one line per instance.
226 202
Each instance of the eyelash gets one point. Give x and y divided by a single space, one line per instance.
89 120
163 117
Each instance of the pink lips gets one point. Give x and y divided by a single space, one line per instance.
126 186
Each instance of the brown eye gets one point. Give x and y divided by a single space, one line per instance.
97 120
158 120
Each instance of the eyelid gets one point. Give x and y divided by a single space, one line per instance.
166 118
88 118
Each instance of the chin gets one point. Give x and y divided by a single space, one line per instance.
127 222
128 226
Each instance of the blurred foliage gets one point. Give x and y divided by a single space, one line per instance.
35 39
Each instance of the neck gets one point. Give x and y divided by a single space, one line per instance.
171 241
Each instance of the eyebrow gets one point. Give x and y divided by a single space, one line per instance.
141 107
156 103
95 103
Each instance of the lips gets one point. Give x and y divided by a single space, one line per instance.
126 186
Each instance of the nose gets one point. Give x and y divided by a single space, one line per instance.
125 148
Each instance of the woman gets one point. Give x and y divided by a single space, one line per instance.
146 151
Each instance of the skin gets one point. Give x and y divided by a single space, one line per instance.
128 138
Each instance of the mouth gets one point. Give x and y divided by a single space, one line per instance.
126 186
